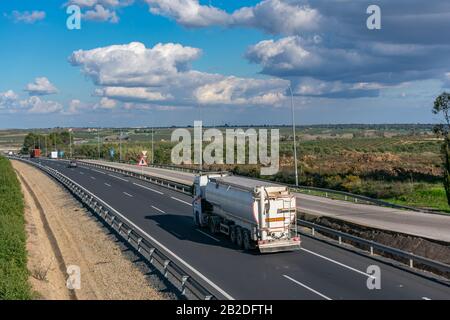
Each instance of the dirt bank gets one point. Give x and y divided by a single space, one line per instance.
61 233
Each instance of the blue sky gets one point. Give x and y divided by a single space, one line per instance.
160 62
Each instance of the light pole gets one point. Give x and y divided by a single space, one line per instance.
153 146
295 139
98 142
120 146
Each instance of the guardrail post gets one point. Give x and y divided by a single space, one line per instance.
371 250
166 264
340 240
326 194
313 232
183 284
411 263
150 255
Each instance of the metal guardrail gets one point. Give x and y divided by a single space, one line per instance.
373 247
347 196
183 188
161 260
341 236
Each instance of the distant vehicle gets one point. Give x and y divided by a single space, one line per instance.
10 153
72 164
35 153
254 214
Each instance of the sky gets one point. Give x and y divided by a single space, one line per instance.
170 62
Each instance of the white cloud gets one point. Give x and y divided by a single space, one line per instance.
133 64
35 104
99 13
28 17
101 10
41 86
272 16
137 94
106 103
132 73
241 91
8 99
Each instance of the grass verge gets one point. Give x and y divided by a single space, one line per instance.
424 196
13 256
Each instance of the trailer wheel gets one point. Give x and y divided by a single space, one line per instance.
233 234
239 237
212 226
247 242
197 219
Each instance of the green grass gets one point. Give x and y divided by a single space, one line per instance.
424 196
13 256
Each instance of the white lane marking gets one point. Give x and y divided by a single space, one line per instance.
337 262
182 201
163 247
111 175
158 209
81 172
140 185
107 184
306 287
93 178
208 235
98 171
425 298
127 194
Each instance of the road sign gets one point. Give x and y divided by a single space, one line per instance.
142 160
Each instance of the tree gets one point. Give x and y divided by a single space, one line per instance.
442 106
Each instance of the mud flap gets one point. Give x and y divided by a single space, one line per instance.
279 246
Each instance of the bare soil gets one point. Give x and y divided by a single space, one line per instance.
60 233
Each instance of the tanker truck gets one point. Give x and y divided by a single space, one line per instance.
253 214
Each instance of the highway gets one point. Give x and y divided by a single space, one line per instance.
431 226
318 271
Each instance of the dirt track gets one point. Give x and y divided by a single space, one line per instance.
60 232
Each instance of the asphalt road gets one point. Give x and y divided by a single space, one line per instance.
318 271
431 226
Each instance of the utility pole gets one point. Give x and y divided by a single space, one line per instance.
120 146
295 138
70 143
153 145
98 142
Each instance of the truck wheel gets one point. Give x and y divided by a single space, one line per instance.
247 242
197 219
212 226
239 237
233 234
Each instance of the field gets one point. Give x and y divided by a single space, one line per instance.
400 163
13 257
